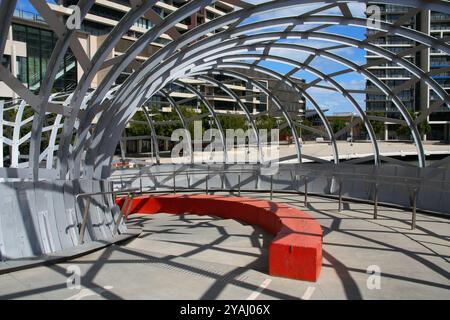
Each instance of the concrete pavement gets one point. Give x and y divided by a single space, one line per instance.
324 151
193 257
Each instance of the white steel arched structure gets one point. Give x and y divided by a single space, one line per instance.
72 137
235 34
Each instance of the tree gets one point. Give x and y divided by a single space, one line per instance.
378 126
138 129
143 129
305 133
266 122
423 127
337 124
233 122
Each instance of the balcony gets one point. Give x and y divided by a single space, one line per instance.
437 16
28 15
440 26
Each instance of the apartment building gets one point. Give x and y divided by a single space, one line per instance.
30 44
416 97
253 98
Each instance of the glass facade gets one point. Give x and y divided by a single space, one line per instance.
6 61
21 69
32 69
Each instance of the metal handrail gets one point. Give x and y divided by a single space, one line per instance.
380 180
89 195
349 176
199 171
271 191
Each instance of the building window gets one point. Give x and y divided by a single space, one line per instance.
32 68
6 62
440 26
143 23
146 145
439 61
19 33
21 69
437 16
34 60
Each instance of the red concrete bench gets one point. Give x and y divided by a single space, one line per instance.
296 250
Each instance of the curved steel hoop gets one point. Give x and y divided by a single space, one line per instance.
198 53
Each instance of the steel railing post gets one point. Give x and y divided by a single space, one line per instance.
85 214
414 209
239 185
84 221
125 209
188 181
112 190
126 213
222 181
174 185
375 202
340 196
271 187
305 202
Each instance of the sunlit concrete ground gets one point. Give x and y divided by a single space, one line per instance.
324 151
193 257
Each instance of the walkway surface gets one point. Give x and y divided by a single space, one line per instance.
193 257
325 151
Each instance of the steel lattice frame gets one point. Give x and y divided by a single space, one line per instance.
192 55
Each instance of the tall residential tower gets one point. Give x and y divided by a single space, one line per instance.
413 92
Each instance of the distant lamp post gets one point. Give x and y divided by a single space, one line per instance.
351 129
154 140
210 124
301 129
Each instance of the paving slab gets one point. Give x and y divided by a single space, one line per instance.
204 257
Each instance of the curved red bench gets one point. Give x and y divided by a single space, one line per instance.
296 250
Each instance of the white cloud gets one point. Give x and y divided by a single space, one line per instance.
327 99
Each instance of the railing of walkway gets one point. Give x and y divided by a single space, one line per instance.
414 185
124 211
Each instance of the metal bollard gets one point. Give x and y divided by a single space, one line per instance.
207 177
375 202
305 202
140 183
340 197
414 209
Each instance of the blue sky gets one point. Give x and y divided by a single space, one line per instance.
333 101
327 99
25 5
